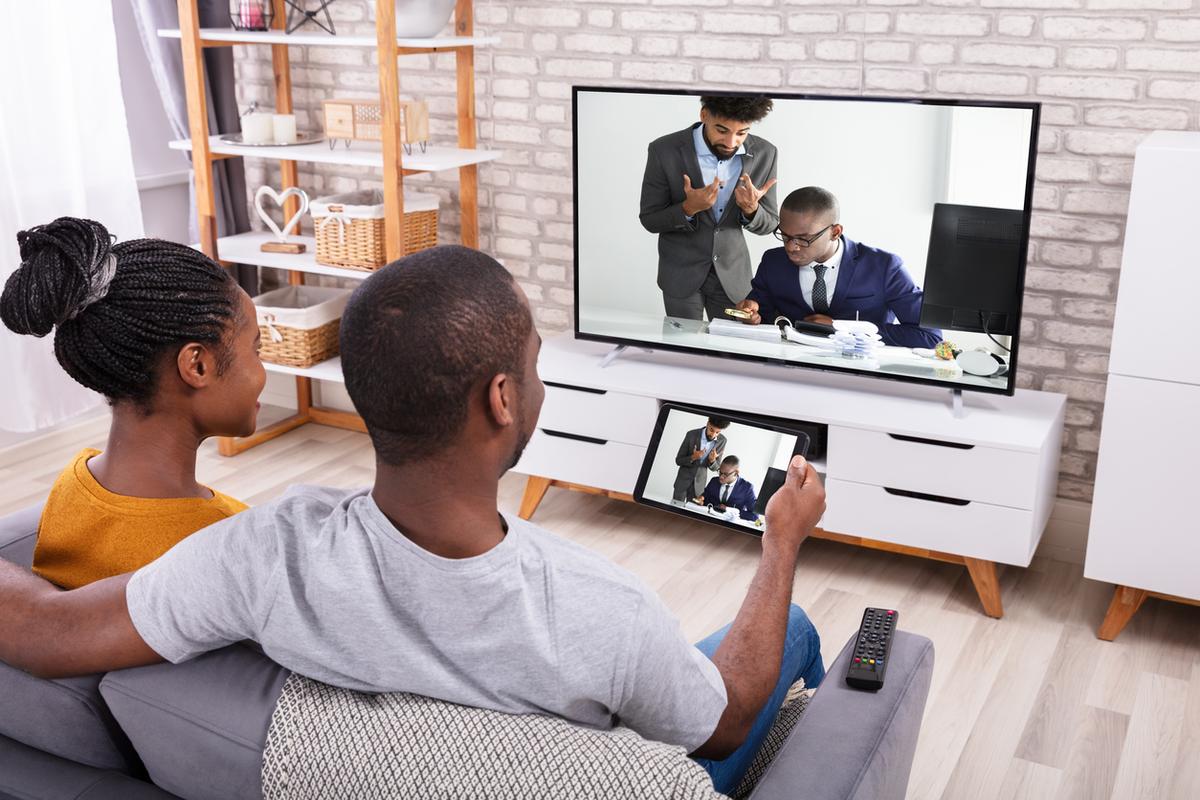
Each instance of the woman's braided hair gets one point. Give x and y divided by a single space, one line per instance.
117 307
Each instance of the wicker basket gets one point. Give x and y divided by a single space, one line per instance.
299 324
349 228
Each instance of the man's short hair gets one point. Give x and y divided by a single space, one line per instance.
730 461
812 199
720 423
737 109
419 336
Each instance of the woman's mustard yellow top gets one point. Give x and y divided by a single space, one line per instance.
87 532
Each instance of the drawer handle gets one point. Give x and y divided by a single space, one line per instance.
919 440
575 436
933 498
587 389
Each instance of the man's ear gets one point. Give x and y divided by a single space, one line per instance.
196 365
836 233
502 399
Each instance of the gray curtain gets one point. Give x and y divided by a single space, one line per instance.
166 62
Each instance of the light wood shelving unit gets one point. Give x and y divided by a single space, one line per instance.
387 156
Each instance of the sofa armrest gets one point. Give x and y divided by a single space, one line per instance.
852 744
18 535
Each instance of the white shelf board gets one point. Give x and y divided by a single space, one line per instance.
330 370
359 154
325 40
244 249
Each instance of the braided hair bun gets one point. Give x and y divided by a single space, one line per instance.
65 266
115 308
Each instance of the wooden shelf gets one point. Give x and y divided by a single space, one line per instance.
386 156
330 370
360 154
227 36
244 249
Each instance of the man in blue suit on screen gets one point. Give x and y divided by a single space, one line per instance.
728 490
819 275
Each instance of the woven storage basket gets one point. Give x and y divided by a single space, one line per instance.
299 324
350 227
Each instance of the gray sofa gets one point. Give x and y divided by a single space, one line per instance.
197 730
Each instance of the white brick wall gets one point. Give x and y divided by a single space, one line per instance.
1108 71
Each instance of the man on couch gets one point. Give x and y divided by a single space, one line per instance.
437 593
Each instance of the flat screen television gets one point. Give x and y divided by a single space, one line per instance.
892 243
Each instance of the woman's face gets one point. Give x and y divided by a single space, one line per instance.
232 409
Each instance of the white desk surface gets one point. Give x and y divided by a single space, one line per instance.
702 511
694 333
1021 422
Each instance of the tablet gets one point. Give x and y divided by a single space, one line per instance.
717 466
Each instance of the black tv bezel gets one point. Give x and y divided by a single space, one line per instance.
1035 121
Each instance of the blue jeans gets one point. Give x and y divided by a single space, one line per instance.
801 659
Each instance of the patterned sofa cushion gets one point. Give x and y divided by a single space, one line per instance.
328 742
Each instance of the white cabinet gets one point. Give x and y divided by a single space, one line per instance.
902 472
1145 529
1160 271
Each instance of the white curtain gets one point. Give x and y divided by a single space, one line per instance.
64 151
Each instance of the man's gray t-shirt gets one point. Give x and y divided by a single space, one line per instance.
330 589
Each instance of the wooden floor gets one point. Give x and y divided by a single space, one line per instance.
1030 706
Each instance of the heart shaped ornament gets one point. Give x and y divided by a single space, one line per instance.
280 198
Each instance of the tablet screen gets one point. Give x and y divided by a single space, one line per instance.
717 466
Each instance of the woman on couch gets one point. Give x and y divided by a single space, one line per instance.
171 340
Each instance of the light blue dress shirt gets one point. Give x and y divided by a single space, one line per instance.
711 167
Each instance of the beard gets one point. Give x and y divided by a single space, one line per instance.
717 150
522 440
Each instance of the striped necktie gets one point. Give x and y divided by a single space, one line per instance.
820 301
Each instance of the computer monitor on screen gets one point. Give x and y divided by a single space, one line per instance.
973 271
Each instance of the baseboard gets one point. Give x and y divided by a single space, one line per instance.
1065 538
19 447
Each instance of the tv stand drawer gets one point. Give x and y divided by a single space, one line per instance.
573 458
612 416
933 466
932 521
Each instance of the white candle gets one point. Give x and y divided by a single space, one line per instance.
285 128
258 128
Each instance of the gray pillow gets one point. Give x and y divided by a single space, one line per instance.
65 717
200 726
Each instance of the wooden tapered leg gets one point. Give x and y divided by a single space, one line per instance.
1125 603
983 575
535 490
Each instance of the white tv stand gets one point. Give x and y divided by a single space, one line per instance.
902 471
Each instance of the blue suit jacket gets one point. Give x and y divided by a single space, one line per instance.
741 496
871 282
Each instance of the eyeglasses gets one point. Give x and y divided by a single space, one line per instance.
804 240
728 474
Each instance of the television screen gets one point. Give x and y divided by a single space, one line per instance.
879 236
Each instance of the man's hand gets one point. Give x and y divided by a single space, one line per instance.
746 195
697 454
698 501
701 199
796 508
714 455
752 307
820 318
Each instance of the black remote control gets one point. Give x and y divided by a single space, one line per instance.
872 649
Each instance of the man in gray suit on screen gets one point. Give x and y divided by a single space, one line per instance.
699 453
703 186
